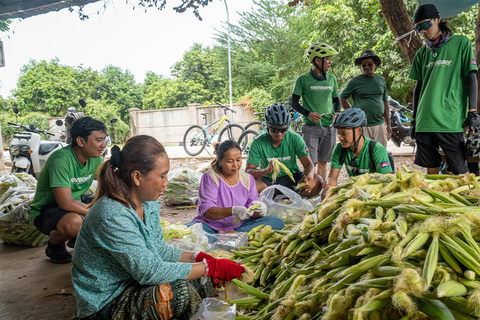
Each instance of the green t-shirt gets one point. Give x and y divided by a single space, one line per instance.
262 151
368 94
317 95
443 102
63 170
380 157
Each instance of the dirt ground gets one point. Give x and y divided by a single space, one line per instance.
34 288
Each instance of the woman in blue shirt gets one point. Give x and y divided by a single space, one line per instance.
122 268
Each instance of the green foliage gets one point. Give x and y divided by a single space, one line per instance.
169 93
201 65
258 98
37 118
101 110
4 25
118 87
47 87
267 50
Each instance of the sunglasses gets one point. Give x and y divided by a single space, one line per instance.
424 26
274 130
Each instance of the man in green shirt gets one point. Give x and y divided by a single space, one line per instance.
358 153
445 94
369 93
318 90
60 201
285 146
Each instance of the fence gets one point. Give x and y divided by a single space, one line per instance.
169 125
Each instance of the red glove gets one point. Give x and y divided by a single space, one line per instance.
223 269
202 255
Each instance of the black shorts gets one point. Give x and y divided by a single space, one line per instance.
452 144
284 181
50 215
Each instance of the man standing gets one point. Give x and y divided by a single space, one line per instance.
318 90
369 93
445 94
60 201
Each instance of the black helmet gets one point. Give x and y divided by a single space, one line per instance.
350 118
473 145
277 115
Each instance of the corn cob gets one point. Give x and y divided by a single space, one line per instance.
279 166
449 258
435 309
451 289
250 290
416 244
430 263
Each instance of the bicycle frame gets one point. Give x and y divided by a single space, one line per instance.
207 127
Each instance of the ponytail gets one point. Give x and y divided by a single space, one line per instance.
140 153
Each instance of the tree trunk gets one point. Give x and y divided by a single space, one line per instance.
399 22
477 50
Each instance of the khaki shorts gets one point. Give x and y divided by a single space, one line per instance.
378 133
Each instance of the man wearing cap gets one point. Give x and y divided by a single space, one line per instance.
445 94
318 90
369 93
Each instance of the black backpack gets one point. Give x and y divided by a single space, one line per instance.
373 166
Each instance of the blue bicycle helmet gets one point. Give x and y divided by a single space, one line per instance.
277 115
350 118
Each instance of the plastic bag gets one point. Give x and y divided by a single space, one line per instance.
196 240
226 241
16 223
288 205
215 309
183 187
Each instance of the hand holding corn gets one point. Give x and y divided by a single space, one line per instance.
241 213
261 208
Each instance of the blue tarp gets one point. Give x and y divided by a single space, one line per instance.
450 8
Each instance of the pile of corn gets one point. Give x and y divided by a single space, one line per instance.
390 247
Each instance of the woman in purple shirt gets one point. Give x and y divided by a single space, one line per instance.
226 192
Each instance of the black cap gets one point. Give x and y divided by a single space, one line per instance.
366 55
426 11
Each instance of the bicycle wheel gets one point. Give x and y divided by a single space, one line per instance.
194 140
231 132
246 139
254 125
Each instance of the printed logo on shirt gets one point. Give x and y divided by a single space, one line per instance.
81 179
360 171
321 88
474 62
384 164
305 149
439 63
281 159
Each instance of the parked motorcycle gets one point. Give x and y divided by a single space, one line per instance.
28 151
400 132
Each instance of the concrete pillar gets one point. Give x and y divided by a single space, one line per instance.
133 121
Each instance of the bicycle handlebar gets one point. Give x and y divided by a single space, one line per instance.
225 107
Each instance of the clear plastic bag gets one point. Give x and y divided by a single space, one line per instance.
201 240
226 241
183 187
215 309
197 240
285 203
16 223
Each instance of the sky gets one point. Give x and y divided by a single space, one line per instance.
120 36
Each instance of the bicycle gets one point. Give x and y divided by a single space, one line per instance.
196 137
